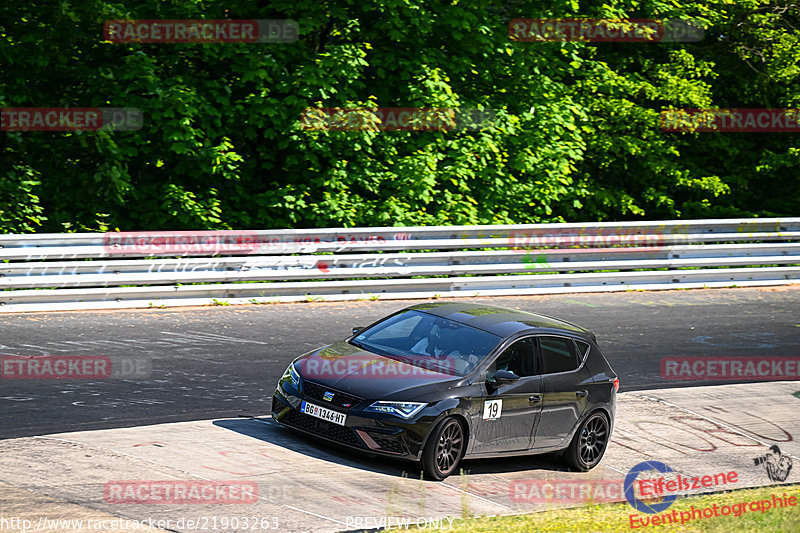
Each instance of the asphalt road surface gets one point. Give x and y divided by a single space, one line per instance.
202 363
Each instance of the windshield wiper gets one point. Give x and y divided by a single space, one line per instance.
357 345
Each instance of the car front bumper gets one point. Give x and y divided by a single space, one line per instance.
374 433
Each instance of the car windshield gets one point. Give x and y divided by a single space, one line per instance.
428 341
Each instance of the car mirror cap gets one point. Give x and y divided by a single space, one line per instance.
357 329
504 377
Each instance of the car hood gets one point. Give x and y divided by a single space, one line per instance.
348 368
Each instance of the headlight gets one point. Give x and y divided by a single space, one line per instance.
292 374
402 409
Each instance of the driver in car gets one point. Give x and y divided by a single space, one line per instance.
443 344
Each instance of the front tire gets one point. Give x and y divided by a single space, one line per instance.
589 443
444 449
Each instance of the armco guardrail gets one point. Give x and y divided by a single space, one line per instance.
145 269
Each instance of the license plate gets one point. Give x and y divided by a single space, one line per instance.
322 413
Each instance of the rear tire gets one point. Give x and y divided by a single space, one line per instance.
589 443
444 449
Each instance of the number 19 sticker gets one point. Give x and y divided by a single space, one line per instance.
492 409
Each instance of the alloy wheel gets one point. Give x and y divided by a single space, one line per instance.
448 449
593 439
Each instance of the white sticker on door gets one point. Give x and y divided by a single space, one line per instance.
492 409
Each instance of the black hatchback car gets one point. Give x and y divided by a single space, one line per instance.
434 383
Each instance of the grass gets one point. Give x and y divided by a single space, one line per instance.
266 302
615 517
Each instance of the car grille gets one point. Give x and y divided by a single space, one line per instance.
322 428
340 399
387 443
278 404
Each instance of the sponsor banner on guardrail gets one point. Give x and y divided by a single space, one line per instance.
70 119
738 368
200 31
92 367
605 30
739 120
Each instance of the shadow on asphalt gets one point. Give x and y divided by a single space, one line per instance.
266 430
508 465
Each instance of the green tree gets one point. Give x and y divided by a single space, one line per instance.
575 134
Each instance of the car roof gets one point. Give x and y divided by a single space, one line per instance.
500 321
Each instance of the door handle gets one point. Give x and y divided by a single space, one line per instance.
582 393
535 398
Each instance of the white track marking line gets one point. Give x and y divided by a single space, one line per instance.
476 496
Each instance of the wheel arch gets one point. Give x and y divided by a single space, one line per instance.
459 416
603 410
584 418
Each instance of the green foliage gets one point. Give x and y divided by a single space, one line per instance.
20 211
575 136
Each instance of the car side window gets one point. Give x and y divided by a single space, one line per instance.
558 355
517 358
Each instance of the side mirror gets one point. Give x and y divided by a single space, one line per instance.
357 329
504 377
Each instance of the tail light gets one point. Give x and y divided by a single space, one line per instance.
616 384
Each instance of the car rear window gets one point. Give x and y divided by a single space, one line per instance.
558 355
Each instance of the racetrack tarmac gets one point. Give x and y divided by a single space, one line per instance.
223 361
702 434
70 443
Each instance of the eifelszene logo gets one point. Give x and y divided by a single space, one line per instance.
630 481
